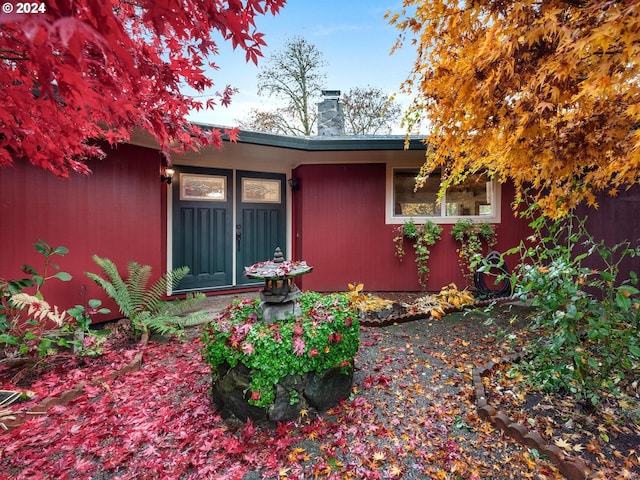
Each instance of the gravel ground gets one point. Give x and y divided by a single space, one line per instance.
413 410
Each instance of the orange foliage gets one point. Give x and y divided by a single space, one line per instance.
543 92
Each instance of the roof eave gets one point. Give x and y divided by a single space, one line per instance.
325 143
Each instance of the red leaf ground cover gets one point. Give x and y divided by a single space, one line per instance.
411 415
63 372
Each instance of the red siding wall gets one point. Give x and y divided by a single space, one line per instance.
615 221
340 230
115 212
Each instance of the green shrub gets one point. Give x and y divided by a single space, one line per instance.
26 318
326 335
588 320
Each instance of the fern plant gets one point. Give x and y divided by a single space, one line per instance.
143 305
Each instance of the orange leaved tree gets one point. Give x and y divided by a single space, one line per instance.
545 93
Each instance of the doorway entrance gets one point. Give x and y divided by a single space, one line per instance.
222 221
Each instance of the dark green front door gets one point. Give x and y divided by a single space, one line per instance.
211 239
203 227
260 219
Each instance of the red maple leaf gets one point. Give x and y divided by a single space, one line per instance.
298 346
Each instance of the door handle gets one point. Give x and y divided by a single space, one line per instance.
238 238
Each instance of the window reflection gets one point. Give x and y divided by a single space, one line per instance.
473 197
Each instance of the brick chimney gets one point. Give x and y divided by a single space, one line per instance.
330 118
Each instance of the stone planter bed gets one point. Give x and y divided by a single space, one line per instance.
275 369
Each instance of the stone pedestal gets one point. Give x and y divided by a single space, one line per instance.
272 312
231 393
279 307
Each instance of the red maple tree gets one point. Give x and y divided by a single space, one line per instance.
76 71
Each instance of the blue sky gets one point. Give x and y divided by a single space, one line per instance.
352 35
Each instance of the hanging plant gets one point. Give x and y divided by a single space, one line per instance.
406 230
472 237
424 236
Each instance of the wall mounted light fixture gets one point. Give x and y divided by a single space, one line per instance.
168 175
294 183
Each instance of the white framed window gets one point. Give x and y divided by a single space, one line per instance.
477 198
